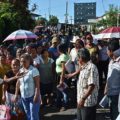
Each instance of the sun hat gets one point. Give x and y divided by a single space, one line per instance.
74 39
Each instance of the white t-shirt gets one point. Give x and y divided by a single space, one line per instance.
27 84
36 60
73 54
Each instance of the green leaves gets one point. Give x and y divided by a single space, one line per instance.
53 20
110 17
14 16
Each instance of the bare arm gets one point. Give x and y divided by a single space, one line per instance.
17 89
4 89
106 89
72 74
7 80
37 88
88 92
63 73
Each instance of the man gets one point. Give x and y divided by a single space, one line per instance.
53 49
112 88
87 87
92 48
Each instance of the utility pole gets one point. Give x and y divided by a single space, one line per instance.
71 19
66 14
49 9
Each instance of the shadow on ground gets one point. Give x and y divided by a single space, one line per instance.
51 113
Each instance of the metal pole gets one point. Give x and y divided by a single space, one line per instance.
66 15
49 9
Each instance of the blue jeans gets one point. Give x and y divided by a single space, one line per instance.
62 95
31 108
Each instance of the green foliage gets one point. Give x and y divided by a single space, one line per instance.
111 17
12 18
41 21
53 20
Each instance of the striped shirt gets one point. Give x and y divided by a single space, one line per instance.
88 75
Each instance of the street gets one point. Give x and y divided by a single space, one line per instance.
51 113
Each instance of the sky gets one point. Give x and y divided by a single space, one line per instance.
58 7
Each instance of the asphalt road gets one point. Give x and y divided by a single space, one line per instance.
52 113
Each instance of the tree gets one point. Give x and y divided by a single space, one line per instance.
12 19
53 20
41 21
110 17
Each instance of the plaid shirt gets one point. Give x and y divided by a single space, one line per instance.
88 75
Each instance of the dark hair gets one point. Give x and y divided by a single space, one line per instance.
84 54
113 45
44 50
27 57
16 60
80 42
62 48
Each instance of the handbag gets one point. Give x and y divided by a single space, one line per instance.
4 112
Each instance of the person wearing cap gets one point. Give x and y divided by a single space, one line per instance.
53 51
112 88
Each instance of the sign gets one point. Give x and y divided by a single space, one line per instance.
92 21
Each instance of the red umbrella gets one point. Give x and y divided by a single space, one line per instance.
112 32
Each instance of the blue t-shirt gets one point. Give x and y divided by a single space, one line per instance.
54 53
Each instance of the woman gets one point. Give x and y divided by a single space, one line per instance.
34 55
29 86
60 69
87 87
19 52
9 57
9 86
46 75
4 68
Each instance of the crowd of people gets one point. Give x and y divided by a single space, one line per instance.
35 74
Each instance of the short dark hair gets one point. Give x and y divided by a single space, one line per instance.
44 50
84 54
62 48
113 45
16 60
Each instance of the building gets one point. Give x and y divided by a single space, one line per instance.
83 12
35 16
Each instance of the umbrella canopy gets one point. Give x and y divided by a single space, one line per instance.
112 32
21 34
